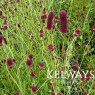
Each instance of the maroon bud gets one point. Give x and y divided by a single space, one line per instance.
62 69
41 33
44 11
30 56
0 13
76 33
63 21
33 88
93 28
89 67
33 74
56 19
59 93
51 47
5 24
81 15
88 76
54 27
49 20
82 77
10 62
16 93
52 91
74 65
75 68
1 39
29 62
41 65
43 17
85 92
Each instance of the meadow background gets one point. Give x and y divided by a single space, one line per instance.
26 53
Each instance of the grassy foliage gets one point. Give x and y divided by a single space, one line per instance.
23 19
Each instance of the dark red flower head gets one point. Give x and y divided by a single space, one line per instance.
51 47
4 24
33 88
9 62
49 20
29 62
63 21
